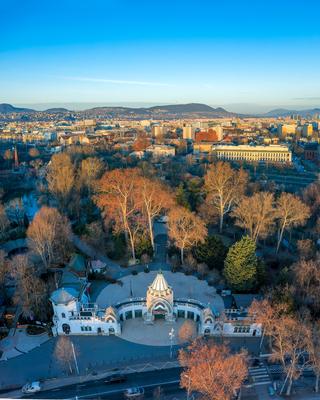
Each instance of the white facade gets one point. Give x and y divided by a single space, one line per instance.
75 315
272 153
161 150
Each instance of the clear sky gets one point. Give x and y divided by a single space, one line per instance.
246 55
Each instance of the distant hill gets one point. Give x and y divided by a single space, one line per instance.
282 112
190 109
8 108
56 110
170 111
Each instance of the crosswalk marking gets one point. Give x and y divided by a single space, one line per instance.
259 375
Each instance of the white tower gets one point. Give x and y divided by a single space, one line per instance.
159 300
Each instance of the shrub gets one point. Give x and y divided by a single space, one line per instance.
143 247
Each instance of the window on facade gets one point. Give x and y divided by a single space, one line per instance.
66 329
128 314
190 315
138 313
180 313
63 315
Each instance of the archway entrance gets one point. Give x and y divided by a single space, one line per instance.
159 311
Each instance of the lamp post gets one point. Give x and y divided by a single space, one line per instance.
75 358
171 336
189 383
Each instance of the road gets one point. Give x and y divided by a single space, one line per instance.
168 380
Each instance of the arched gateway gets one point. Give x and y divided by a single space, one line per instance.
159 300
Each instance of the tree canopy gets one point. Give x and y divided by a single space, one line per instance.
241 265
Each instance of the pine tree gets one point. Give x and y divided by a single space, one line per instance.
212 252
240 266
182 197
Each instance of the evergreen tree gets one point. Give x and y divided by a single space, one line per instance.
241 265
182 197
212 252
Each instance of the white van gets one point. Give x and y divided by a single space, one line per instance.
33 387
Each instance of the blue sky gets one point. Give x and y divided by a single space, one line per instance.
246 55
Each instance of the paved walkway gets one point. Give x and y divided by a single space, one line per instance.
20 343
135 330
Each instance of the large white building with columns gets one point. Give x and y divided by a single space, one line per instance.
74 314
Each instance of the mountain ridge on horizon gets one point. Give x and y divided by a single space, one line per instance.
6 108
186 108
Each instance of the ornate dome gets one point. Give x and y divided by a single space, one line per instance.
159 286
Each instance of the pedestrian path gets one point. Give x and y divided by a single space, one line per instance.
259 375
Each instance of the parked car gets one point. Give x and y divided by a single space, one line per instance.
33 387
162 219
134 393
115 378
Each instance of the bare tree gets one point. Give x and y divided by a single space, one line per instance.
212 370
306 249
291 337
256 215
314 352
185 229
61 178
224 186
289 334
307 283
63 352
187 331
31 292
155 199
91 170
267 314
49 235
290 212
311 197
119 198
15 211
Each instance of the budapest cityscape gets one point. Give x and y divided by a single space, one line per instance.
160 200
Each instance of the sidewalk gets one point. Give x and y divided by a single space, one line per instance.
50 384
19 342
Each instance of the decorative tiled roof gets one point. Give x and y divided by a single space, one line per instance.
159 285
64 295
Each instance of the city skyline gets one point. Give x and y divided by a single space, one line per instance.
243 58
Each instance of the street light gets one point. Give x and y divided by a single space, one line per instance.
171 336
189 383
75 358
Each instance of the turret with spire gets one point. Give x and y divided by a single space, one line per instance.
159 298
